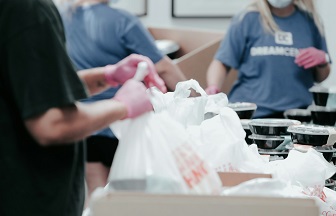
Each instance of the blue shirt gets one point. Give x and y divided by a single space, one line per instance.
98 35
267 73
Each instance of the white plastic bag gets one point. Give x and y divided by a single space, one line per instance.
184 109
222 143
216 102
154 155
307 170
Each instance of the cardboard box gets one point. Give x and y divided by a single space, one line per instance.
197 49
130 204
230 179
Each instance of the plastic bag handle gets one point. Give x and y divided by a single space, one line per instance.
182 89
142 71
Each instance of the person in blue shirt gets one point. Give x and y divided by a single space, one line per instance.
98 35
279 49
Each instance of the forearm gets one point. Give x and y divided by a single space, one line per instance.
321 73
170 73
216 74
69 124
94 79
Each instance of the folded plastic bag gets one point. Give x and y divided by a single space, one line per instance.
154 155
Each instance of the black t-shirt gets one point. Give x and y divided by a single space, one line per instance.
36 75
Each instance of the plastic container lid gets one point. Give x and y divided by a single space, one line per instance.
274 122
322 89
242 106
273 151
298 112
167 46
245 122
310 129
262 137
315 108
306 147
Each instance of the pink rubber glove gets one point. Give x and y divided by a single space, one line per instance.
153 79
310 57
126 68
210 90
133 95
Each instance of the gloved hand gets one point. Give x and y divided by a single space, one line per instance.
126 68
311 57
133 95
210 90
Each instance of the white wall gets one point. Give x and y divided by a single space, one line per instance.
328 14
159 15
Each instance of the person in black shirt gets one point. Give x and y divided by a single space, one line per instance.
41 122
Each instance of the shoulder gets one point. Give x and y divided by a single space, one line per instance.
119 19
245 21
245 17
31 8
304 14
305 17
115 13
25 14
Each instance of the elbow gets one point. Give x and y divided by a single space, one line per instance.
49 138
46 141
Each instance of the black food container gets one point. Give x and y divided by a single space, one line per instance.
322 94
266 142
271 127
244 110
244 123
323 115
302 115
313 135
327 152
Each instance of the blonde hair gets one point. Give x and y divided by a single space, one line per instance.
268 22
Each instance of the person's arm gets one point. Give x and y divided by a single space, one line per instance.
322 72
94 79
169 72
314 58
75 122
216 75
101 78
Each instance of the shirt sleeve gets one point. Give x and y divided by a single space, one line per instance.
232 47
40 72
138 40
